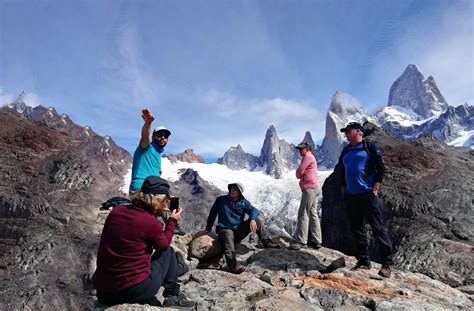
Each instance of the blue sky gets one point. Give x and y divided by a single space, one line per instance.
219 73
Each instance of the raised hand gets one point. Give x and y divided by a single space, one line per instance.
147 116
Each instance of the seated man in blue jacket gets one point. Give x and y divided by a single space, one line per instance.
231 227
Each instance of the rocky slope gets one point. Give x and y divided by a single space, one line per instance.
280 279
196 199
54 174
427 193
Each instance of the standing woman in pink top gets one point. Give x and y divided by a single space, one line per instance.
307 214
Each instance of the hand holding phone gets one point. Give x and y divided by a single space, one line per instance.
174 203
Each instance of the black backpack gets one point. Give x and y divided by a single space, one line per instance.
369 148
115 201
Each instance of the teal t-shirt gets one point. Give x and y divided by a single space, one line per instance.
146 162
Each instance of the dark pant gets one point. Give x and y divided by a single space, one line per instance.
231 237
362 208
164 272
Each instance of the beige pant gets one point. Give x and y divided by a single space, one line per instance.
308 217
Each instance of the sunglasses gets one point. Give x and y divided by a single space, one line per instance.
162 135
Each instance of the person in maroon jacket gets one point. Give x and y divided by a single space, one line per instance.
127 272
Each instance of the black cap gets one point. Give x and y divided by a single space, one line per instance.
352 125
302 145
156 185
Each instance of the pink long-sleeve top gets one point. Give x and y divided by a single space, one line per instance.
307 171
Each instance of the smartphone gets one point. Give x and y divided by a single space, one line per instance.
174 203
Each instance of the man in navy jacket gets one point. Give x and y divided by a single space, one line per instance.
361 170
232 227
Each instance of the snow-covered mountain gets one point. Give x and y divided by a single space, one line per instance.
412 91
277 156
416 107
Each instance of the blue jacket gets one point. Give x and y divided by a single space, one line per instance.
229 214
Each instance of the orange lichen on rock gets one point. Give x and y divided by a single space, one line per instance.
353 285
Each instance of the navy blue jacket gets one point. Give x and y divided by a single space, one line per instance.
360 166
229 214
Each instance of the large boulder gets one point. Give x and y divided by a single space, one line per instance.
205 247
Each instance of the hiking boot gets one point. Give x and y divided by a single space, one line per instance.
385 271
178 231
314 245
267 243
179 301
297 246
362 264
235 267
181 263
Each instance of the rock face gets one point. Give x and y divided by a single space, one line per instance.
279 279
413 92
54 174
187 156
196 198
277 154
427 194
236 159
342 110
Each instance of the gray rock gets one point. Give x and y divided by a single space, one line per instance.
412 91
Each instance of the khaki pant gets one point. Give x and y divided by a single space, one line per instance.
308 217
231 237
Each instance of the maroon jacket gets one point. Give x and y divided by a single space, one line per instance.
130 234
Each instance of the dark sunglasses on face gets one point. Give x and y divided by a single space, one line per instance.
162 135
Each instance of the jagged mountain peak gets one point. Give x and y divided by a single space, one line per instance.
271 130
412 91
22 97
343 109
309 139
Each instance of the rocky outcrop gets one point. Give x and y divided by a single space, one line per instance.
236 159
277 155
196 199
278 279
187 156
413 92
428 208
342 110
54 174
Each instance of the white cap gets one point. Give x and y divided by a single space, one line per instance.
162 128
